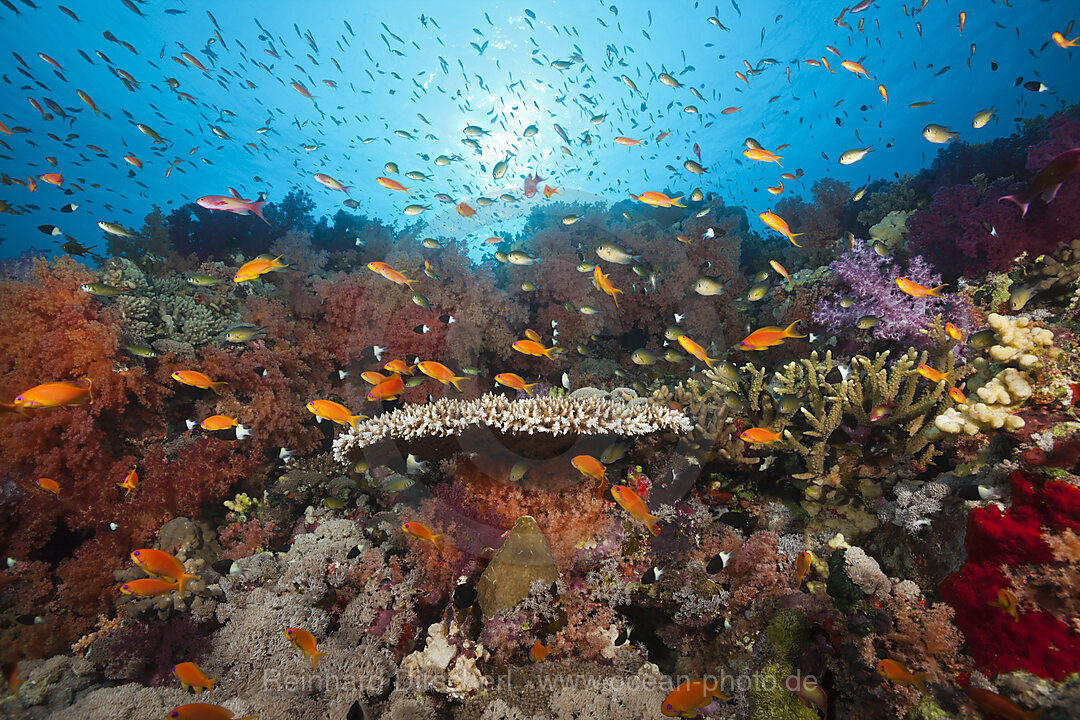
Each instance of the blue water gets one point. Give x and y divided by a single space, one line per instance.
385 81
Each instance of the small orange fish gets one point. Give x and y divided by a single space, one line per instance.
780 225
192 678
762 155
304 641
381 268
1007 602
954 332
49 60
440 372
895 672
205 711
420 531
531 347
163 565
661 136
802 567
990 703
777 189
957 396
780 269
223 422
254 269
398 366
132 160
148 587
532 335
601 281
388 389
931 374
961 21
49 485
538 652
620 140
52 179
197 379
391 184
334 412
1062 42
373 378
852 66
760 436
549 191
465 210
696 350
884 93
730 110
130 482
591 467
690 696
632 503
53 395
914 289
516 382
767 337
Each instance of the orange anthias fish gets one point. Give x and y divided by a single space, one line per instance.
334 412
990 703
768 337
531 347
538 652
192 678
391 184
760 436
895 672
163 565
954 332
780 225
763 155
373 378
254 269
223 422
194 378
53 395
958 396
696 350
516 382
329 182
304 641
802 566
227 203
465 210
1007 602
440 372
931 374
52 178
884 93
381 268
205 711
420 531
130 481
591 467
388 389
600 280
626 141
49 485
398 366
657 199
148 587
1061 41
852 66
688 698
914 289
632 503
780 269
532 334
549 191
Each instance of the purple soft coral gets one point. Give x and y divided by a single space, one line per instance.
872 282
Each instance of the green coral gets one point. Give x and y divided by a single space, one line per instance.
788 634
771 700
929 709
839 587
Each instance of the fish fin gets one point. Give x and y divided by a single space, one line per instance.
315 655
436 542
654 528
454 381
675 202
791 237
190 424
256 207
89 389
934 291
526 388
1020 203
788 330
182 581
216 387
1050 193
919 681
